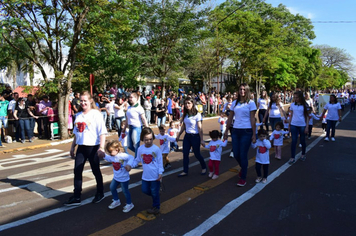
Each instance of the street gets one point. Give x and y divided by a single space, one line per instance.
315 197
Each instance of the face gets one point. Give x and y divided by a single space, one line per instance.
278 128
296 98
114 152
162 131
85 102
132 99
188 105
262 137
242 91
148 140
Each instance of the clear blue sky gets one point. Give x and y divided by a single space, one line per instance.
340 35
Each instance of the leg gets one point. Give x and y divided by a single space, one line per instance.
165 158
328 127
211 166
113 189
310 128
295 133
46 127
126 192
258 169
265 170
186 148
136 133
196 149
95 167
216 166
302 138
22 129
28 128
118 125
39 126
333 126
245 146
80 160
155 187
130 143
235 137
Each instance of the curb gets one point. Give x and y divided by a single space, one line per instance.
51 144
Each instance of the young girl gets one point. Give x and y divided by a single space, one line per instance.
123 136
119 161
323 122
151 157
262 156
311 118
164 141
286 120
277 137
215 148
334 115
172 131
222 121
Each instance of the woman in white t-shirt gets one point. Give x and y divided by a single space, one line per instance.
119 111
299 124
333 116
309 101
135 119
262 105
274 111
90 132
243 111
352 101
192 125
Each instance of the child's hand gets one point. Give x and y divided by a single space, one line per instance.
159 178
127 168
101 154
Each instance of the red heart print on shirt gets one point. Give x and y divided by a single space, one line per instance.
161 142
171 133
147 158
222 122
212 148
81 126
116 165
262 149
276 136
123 135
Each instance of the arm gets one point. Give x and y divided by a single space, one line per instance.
144 121
15 115
101 150
224 144
253 125
291 118
254 145
180 132
264 118
72 148
339 111
228 124
200 131
267 144
31 114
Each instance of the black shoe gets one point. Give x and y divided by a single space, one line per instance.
153 210
72 201
98 197
167 166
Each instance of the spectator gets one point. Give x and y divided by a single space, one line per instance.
31 104
10 113
7 93
161 112
111 113
43 107
3 116
147 105
75 104
22 115
119 110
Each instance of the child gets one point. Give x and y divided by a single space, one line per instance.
257 125
277 137
151 157
164 140
119 161
222 121
311 118
215 148
262 156
172 131
286 120
123 136
324 122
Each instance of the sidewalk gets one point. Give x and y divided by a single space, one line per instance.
41 143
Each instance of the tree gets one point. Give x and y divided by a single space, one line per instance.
52 31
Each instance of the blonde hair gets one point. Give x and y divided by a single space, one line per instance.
112 145
92 102
247 97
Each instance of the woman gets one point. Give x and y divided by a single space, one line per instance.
299 124
161 112
102 107
274 111
192 125
22 115
333 116
89 130
262 105
309 101
243 111
156 102
119 110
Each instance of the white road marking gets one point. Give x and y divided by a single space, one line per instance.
234 204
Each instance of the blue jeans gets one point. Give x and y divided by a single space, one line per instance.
148 116
151 188
241 142
3 123
331 124
296 131
174 145
274 121
133 139
25 125
161 120
192 140
261 115
105 116
118 122
124 188
111 120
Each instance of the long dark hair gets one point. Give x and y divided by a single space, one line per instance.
247 93
335 100
277 98
191 112
302 102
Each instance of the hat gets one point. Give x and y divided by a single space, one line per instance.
112 95
100 95
148 96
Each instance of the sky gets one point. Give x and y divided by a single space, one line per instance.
340 35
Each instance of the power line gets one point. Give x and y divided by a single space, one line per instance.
335 22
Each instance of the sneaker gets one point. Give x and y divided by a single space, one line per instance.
22 141
215 177
98 197
72 201
300 145
303 158
333 139
2 146
114 204
264 180
259 179
211 174
291 161
326 139
153 210
231 155
241 183
167 166
128 207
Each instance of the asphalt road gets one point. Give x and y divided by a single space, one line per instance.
315 197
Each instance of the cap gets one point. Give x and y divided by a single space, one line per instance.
112 95
100 95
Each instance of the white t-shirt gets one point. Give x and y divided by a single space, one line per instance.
12 105
133 115
333 111
310 103
164 142
123 137
152 163
172 132
274 111
352 98
277 137
118 164
110 107
88 128
263 103
286 122
191 126
119 112
298 118
222 122
242 114
263 147
215 149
